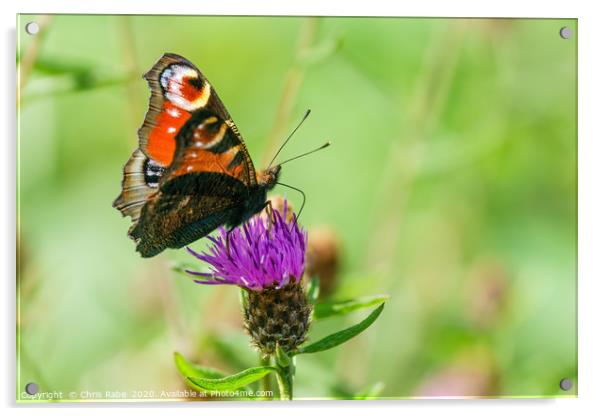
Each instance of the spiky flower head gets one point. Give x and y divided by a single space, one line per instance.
257 255
265 257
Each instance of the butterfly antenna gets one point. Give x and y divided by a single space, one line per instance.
325 145
302 194
289 137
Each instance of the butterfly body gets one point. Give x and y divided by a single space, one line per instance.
192 171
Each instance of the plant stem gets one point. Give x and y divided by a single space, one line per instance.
292 84
131 63
285 380
29 57
428 101
266 382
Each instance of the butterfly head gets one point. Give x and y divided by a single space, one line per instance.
267 178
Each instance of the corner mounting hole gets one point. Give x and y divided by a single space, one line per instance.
32 28
31 388
566 32
566 384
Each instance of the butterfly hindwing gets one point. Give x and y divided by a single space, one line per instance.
205 186
140 180
186 208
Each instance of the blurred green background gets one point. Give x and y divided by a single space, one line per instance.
450 185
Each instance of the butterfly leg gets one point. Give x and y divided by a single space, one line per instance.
269 209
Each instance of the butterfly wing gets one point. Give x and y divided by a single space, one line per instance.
205 186
179 91
140 181
192 172
175 220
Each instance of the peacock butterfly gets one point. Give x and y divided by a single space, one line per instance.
192 171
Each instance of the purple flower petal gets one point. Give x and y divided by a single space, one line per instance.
259 254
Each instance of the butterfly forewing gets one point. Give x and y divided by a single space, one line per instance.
178 91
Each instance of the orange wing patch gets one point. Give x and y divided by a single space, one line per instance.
161 142
178 89
212 147
207 161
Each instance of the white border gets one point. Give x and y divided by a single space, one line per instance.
590 202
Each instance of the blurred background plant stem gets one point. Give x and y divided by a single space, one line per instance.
406 152
292 84
133 69
28 60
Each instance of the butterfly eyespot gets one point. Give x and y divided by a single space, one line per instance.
184 88
195 82
152 173
179 74
167 74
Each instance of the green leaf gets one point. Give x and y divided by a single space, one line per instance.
340 337
232 382
282 357
326 310
313 290
188 369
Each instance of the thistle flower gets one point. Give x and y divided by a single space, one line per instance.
258 255
266 258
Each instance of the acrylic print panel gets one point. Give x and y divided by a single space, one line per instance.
435 254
